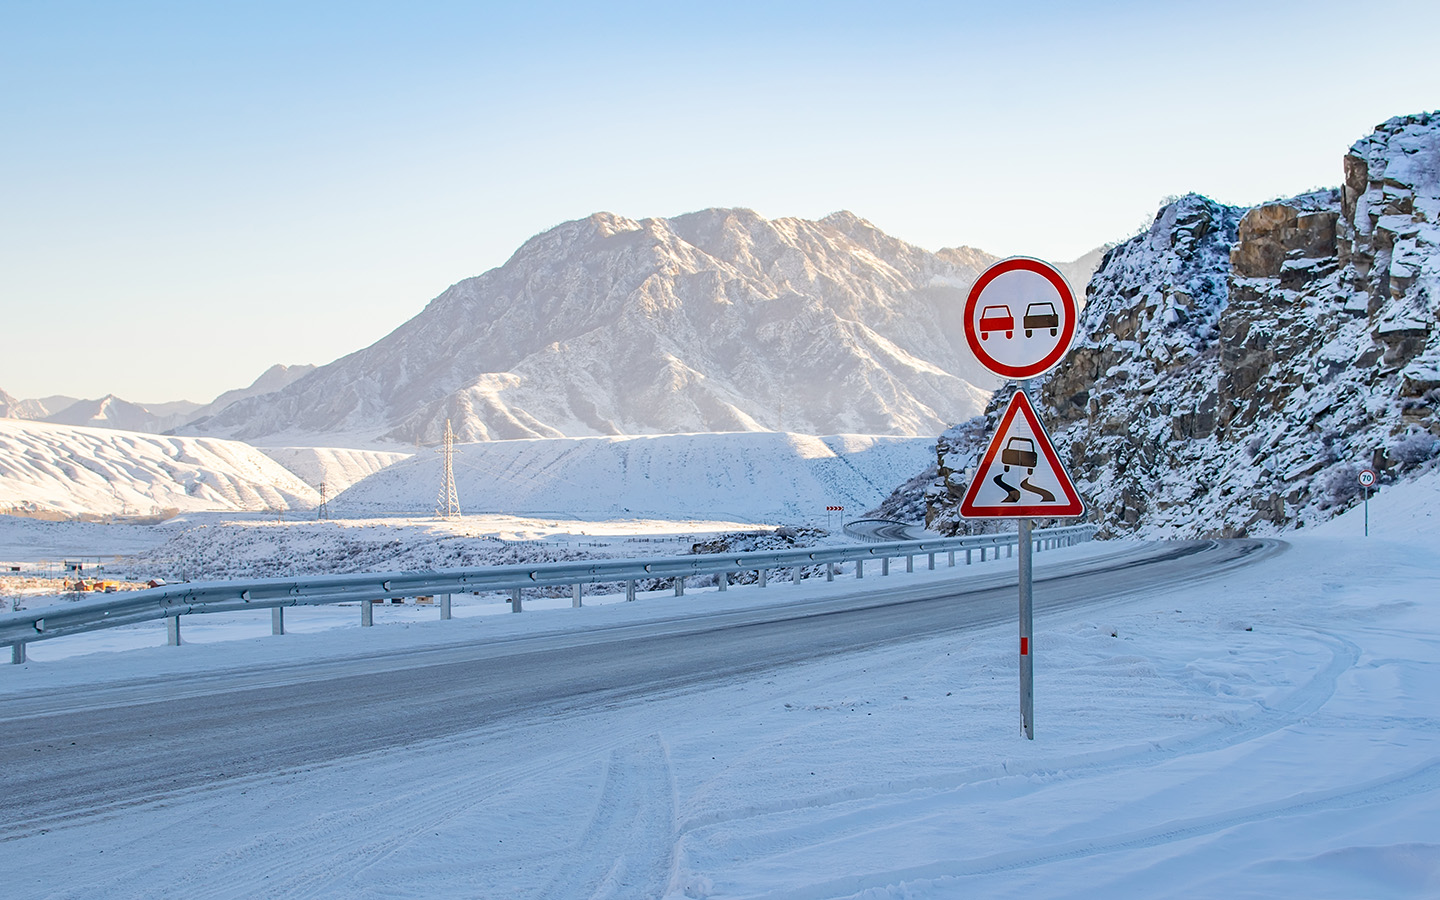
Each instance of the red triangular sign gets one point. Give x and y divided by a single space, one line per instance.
1020 475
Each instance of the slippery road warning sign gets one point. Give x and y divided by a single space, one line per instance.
1020 317
1020 474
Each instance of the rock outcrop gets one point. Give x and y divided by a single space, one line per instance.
1237 368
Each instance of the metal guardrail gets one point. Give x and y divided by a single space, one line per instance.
173 601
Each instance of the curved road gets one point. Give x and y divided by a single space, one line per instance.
74 752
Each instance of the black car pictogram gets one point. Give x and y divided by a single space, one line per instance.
1039 316
1019 451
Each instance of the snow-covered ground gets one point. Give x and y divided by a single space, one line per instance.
1273 736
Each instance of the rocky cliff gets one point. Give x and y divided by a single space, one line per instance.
1237 368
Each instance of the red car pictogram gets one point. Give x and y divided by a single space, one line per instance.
996 318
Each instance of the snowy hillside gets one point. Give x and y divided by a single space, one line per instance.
336 467
1238 368
744 477
105 471
715 321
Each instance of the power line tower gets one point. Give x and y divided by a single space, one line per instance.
323 512
447 505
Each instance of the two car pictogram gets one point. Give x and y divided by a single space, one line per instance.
1038 317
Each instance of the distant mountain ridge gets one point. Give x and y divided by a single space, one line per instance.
713 321
111 411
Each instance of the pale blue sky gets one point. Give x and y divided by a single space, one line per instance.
194 191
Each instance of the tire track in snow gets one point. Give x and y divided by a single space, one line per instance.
626 850
848 822
1301 702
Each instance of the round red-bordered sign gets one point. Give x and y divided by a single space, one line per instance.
1367 477
1020 317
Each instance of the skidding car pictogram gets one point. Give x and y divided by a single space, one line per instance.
1019 451
1039 316
996 318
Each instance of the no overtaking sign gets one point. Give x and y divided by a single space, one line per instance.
1020 317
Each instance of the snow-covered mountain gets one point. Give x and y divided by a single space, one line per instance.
12 407
69 469
112 412
1238 368
272 379
742 477
714 321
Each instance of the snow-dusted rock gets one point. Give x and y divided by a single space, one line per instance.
1237 368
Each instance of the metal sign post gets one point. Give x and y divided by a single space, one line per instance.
1020 318
1027 632
1367 480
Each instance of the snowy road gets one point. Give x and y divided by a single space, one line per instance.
66 750
1212 720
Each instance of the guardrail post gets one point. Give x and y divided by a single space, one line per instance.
967 556
797 576
764 577
932 562
829 571
952 559
277 620
909 563
17 653
679 585
859 568
575 595
444 606
630 590
367 613
1009 551
172 630
515 600
723 580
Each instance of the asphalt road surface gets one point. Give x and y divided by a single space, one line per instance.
80 751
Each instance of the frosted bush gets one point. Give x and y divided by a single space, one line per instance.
1342 484
1415 448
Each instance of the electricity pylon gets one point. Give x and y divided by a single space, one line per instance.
447 505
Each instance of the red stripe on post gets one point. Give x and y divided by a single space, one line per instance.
1024 646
